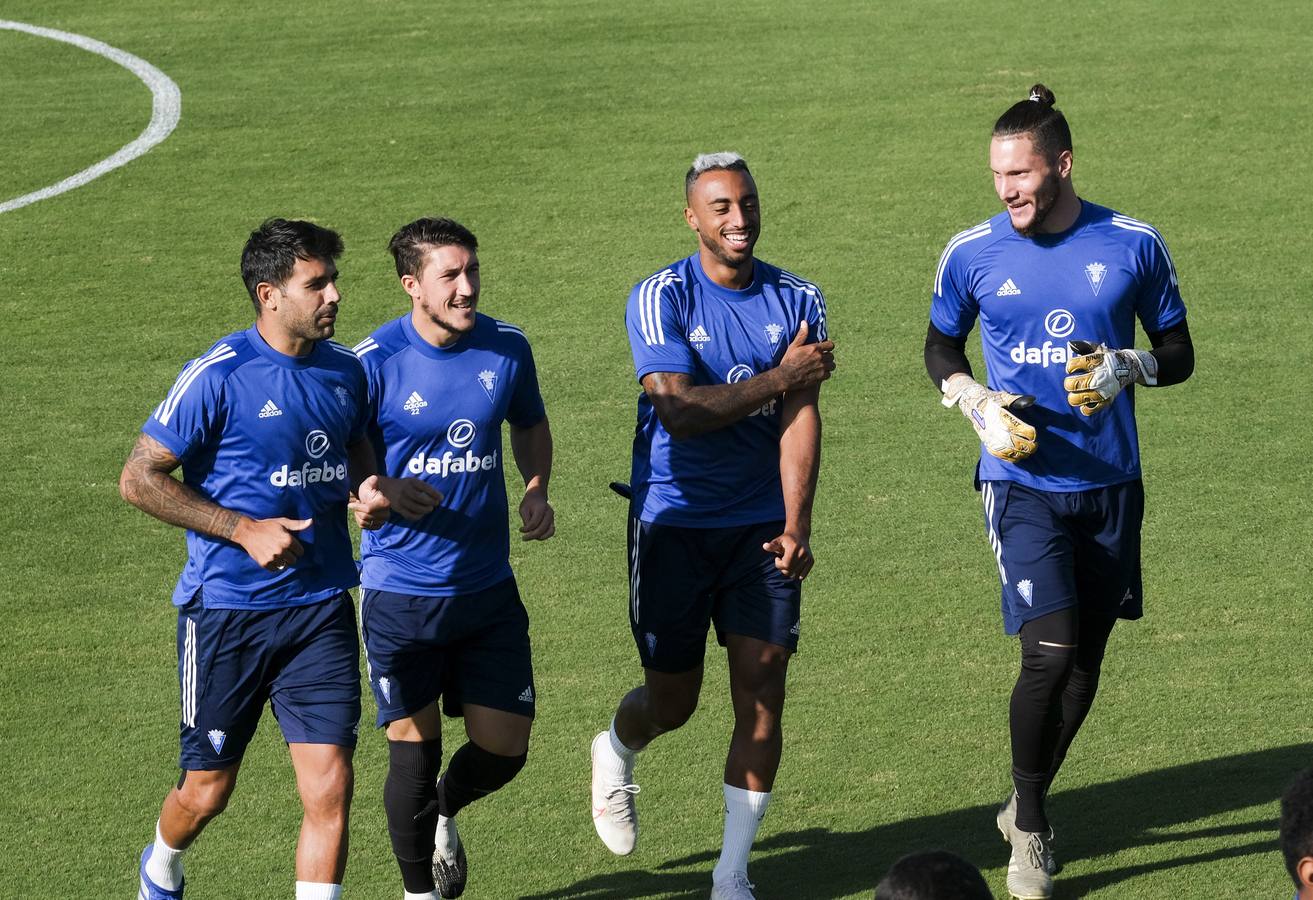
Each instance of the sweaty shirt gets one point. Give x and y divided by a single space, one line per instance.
265 434
437 415
1033 295
680 321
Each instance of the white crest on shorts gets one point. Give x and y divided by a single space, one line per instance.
385 685
1094 273
1024 588
488 380
217 738
651 643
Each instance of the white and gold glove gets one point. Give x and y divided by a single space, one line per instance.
1103 373
990 414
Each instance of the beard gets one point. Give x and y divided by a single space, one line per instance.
455 327
1046 197
731 258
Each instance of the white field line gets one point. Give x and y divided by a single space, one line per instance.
167 110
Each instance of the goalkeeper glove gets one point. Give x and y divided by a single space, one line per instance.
1102 372
990 413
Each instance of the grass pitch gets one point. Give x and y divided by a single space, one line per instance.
559 131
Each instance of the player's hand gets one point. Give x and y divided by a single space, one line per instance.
271 542
537 515
806 365
792 555
1096 374
410 498
991 414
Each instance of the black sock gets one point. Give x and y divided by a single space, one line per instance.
473 773
410 798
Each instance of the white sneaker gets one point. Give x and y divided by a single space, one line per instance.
1028 877
1007 825
614 814
736 887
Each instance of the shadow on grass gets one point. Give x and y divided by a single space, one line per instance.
1101 819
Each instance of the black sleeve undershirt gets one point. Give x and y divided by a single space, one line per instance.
946 355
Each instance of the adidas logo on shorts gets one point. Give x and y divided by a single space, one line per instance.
526 696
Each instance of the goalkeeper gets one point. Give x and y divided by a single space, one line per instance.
1057 284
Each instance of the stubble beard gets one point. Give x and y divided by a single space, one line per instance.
1046 197
723 253
452 327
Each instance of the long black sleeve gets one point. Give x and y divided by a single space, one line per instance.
1174 351
945 355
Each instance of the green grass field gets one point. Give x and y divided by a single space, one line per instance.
559 131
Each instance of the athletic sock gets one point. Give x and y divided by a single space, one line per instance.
427 895
1030 800
410 799
744 811
314 890
615 758
445 840
473 773
164 868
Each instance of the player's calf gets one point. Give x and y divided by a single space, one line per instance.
410 799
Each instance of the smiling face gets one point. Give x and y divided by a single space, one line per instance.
724 210
1030 185
303 310
445 294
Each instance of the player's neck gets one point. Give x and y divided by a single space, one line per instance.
1066 210
433 333
280 340
736 278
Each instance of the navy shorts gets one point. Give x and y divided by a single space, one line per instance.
303 660
683 579
1058 549
473 648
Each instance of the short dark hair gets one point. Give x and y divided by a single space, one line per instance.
932 875
412 242
272 250
1297 822
1037 117
724 161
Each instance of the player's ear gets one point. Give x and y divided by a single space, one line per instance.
411 285
267 295
691 218
1064 164
1304 869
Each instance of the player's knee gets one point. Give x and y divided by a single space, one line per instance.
670 711
1045 663
205 795
327 794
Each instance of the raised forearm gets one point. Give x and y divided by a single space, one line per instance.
687 410
532 449
800 458
147 484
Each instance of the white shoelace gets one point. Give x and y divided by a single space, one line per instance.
620 802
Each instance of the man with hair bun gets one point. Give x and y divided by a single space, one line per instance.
1057 283
730 352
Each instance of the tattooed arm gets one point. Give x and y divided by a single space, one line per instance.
147 483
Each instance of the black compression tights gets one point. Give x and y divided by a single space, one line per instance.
1060 658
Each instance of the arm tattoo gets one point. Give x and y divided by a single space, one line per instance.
686 409
147 484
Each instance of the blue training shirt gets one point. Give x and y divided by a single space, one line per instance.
680 321
1033 295
437 415
266 435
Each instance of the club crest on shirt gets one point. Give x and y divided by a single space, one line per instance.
1024 588
773 332
1094 274
343 396
488 381
699 338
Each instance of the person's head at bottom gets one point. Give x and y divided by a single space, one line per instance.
932 875
1297 833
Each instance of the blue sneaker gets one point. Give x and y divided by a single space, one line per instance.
149 890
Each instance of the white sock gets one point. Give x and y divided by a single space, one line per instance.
314 890
164 867
620 761
446 838
427 895
744 811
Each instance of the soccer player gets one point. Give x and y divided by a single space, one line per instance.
1057 283
730 352
1297 833
269 429
441 613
